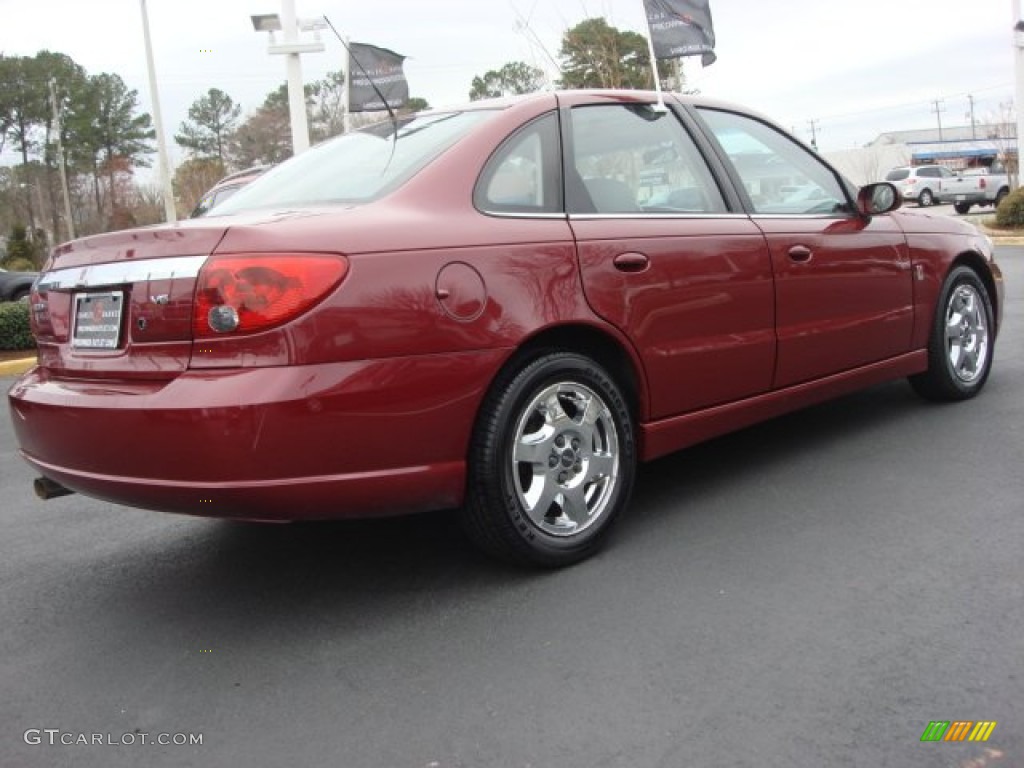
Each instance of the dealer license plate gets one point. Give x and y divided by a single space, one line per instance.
961 198
97 320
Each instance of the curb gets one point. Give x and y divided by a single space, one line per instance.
16 367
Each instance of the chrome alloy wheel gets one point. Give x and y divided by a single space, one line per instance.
967 341
565 459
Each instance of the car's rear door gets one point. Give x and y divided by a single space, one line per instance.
843 282
665 258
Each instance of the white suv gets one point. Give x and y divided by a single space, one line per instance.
921 183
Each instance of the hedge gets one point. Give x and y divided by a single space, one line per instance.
1010 213
15 332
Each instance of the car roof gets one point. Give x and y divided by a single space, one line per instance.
573 95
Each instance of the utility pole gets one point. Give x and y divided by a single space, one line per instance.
161 143
1018 68
346 116
974 127
62 164
938 110
814 133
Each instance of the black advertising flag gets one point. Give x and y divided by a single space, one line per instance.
681 28
369 66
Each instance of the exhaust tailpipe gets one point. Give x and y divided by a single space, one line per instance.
47 489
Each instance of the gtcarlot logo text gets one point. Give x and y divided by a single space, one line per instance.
55 736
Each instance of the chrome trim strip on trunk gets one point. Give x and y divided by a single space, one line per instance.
121 273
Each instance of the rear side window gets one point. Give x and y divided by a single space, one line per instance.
897 174
524 175
631 159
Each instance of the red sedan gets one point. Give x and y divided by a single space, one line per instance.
500 308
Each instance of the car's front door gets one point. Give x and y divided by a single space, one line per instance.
664 259
843 282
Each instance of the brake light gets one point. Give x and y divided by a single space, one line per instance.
246 293
981 182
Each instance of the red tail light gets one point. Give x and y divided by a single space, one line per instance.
245 293
981 182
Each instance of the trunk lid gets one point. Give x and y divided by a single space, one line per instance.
119 305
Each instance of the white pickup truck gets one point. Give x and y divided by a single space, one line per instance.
974 186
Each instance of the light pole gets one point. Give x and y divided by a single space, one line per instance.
288 24
161 143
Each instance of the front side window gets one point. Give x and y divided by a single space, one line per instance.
779 175
631 159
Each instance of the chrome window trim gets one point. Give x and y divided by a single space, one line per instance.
121 273
514 215
802 216
641 216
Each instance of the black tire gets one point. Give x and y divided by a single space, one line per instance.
20 295
1000 196
962 208
555 503
926 199
961 344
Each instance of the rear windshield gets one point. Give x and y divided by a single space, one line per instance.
358 167
897 174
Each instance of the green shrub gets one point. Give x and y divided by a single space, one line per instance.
16 264
14 326
1010 213
20 248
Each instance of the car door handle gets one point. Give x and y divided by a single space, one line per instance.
631 262
800 253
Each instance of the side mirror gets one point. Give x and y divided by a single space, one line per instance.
876 199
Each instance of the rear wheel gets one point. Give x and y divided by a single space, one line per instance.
961 343
926 198
1001 195
552 462
962 208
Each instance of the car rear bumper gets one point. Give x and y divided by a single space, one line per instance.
354 439
974 198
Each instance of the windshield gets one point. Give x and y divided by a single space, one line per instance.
357 167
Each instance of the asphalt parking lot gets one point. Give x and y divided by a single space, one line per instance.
810 592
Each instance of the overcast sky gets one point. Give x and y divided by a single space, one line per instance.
857 68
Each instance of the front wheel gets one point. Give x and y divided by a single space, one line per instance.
552 462
961 343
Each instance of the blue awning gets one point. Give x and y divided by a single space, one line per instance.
948 153
962 150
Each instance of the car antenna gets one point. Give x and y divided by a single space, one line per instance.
348 96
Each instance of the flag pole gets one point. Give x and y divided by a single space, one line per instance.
660 106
